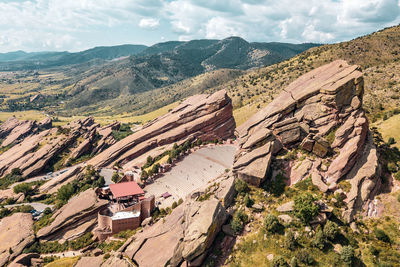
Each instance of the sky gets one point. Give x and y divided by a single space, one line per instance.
75 25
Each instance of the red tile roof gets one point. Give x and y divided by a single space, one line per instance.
126 189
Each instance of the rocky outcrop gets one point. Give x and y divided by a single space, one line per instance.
75 218
14 130
16 232
187 233
36 149
324 104
201 116
55 183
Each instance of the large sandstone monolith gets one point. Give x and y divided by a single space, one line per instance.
201 116
324 103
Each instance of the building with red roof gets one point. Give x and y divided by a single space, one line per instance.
127 190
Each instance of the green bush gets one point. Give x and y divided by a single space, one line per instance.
272 224
391 166
241 186
248 202
304 207
16 171
24 188
277 186
115 177
331 230
391 141
65 192
347 255
304 257
397 176
290 241
381 235
174 205
279 261
238 221
319 240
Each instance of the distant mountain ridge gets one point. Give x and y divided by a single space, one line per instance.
167 63
21 60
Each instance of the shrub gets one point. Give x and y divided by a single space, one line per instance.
397 176
16 171
277 186
391 166
238 221
174 205
331 230
241 186
290 241
373 250
304 207
319 240
24 188
115 177
381 235
180 201
391 141
272 224
304 257
65 192
248 202
279 261
347 255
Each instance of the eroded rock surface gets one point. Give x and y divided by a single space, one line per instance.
16 232
185 234
33 146
203 116
75 218
323 104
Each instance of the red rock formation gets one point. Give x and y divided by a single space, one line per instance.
314 105
203 116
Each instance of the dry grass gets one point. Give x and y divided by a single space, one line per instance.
390 128
63 262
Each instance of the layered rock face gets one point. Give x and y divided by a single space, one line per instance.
324 104
36 145
16 232
185 235
202 116
13 131
75 218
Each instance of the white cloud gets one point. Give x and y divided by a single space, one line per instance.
149 23
74 24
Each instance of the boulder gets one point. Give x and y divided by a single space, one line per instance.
285 218
286 207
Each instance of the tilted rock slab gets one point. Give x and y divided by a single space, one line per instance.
16 232
326 99
204 116
187 233
34 151
75 218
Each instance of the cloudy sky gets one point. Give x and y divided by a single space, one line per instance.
44 25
